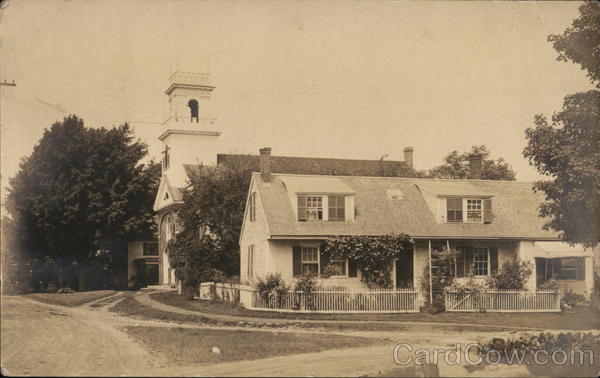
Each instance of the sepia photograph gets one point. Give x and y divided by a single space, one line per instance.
312 188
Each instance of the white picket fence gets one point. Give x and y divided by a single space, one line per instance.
329 301
400 300
504 301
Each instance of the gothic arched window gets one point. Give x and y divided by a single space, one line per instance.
193 105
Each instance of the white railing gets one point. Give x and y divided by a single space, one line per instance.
330 300
400 300
504 301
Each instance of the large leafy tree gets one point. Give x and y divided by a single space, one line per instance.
567 148
211 217
456 166
80 187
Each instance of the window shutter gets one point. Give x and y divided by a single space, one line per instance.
297 260
468 260
580 269
494 260
302 211
487 211
324 258
352 268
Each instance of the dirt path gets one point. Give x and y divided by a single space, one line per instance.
43 339
39 339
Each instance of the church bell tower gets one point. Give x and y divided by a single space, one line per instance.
190 135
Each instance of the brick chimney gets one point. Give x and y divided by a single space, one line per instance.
475 167
265 164
408 156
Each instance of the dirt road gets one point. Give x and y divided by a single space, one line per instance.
42 339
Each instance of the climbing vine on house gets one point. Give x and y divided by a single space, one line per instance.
373 254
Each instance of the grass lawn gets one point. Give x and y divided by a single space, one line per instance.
185 346
70 299
130 307
582 318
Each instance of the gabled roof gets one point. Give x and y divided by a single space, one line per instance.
166 195
515 209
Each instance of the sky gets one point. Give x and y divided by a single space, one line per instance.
344 79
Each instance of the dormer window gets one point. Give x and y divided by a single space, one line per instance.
337 208
468 210
454 209
310 208
474 210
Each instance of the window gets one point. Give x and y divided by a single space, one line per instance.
250 269
340 265
480 262
310 261
252 207
337 208
166 158
193 105
310 208
455 210
150 249
476 261
562 268
474 210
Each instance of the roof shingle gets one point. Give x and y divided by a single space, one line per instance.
514 207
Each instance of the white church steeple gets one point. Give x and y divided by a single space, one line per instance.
190 135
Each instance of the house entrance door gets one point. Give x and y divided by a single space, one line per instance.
404 270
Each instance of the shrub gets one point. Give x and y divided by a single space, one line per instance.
528 344
571 299
307 284
513 275
272 287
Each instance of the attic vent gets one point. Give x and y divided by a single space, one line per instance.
395 194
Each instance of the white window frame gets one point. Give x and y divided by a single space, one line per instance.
310 262
466 210
476 252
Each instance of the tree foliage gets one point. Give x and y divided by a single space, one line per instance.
211 217
567 149
374 254
580 43
456 166
81 186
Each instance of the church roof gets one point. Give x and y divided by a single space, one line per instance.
325 166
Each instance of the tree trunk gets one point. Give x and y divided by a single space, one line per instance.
61 276
188 293
82 276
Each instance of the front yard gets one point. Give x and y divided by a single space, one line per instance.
195 346
581 319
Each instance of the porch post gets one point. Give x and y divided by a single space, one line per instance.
430 278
